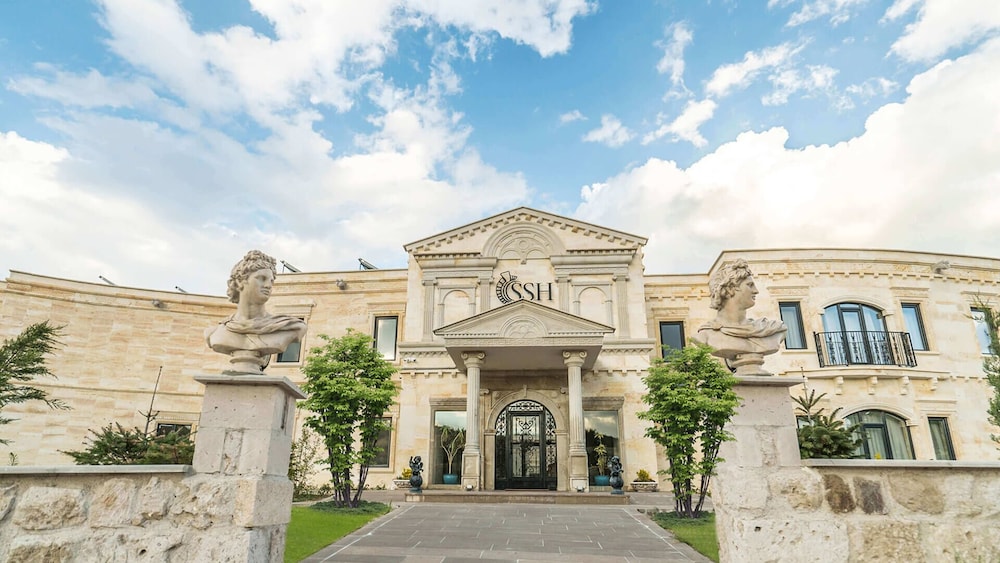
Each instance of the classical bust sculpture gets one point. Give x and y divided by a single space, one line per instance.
740 341
251 334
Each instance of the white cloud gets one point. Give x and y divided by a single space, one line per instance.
611 132
818 78
739 75
170 184
685 126
544 25
942 25
571 116
899 8
839 11
922 176
873 88
677 37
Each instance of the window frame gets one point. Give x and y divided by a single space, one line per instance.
614 447
395 340
949 443
796 308
979 321
387 449
435 470
680 325
920 330
864 448
176 427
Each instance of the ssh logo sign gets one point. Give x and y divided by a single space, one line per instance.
509 289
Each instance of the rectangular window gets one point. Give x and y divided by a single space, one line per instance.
383 443
983 331
671 336
291 354
791 315
449 442
164 428
941 437
601 430
385 336
915 326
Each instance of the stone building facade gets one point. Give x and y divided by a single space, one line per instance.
531 333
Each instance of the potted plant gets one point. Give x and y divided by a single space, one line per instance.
452 442
403 481
601 452
644 482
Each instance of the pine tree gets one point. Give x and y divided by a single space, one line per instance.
22 359
822 436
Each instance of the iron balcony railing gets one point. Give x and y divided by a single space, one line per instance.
847 348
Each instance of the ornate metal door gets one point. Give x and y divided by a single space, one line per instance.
525 447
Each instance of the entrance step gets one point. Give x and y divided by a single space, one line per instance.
517 497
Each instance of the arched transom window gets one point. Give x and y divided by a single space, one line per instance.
884 435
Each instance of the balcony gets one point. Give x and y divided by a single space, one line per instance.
848 348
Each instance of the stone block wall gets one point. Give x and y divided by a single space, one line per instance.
772 507
134 513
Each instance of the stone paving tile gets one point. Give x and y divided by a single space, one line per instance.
452 533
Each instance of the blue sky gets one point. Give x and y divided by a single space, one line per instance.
154 141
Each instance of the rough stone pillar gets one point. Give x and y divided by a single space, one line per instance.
471 466
243 443
578 479
763 457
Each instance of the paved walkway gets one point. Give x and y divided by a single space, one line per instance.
449 533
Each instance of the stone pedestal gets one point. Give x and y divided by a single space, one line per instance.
243 443
764 452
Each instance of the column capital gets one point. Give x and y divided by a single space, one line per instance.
574 357
473 359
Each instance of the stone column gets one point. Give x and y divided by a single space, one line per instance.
578 478
761 466
243 443
471 466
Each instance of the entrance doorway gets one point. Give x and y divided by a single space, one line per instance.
526 447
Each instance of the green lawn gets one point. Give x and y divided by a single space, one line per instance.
699 533
314 527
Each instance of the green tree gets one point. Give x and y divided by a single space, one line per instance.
302 462
690 400
116 445
22 359
991 364
822 436
350 388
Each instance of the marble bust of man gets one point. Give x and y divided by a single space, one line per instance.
741 341
251 335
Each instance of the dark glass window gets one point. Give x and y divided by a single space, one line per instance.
983 331
941 437
601 428
383 443
291 354
791 315
884 435
447 424
385 336
915 326
671 336
164 428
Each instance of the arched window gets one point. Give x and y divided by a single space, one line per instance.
884 435
855 334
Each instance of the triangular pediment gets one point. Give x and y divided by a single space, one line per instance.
524 336
521 320
551 234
